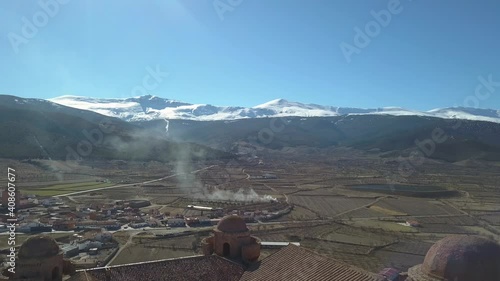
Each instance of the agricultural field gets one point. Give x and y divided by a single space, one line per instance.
406 190
145 247
366 212
386 226
339 241
387 212
298 214
329 206
59 189
416 207
492 218
398 260
362 228
452 220
446 228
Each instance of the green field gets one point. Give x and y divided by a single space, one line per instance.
64 188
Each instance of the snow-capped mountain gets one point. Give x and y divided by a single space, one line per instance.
149 107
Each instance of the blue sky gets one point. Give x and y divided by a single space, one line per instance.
430 54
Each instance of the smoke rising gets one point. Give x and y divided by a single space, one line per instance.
166 127
246 195
189 182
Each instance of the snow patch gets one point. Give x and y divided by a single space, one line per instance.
144 108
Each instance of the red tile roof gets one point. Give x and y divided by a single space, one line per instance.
200 268
291 263
294 263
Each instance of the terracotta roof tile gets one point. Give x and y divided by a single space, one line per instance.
294 263
201 268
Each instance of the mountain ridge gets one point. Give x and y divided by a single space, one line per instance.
43 129
40 129
149 107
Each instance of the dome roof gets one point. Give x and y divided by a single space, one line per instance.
460 258
39 246
232 223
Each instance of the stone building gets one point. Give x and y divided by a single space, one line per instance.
231 239
40 259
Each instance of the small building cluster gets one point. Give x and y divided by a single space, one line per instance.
52 214
250 212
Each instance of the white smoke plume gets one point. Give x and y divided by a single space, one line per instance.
166 127
243 195
191 184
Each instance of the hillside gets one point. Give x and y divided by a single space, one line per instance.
34 128
390 135
37 128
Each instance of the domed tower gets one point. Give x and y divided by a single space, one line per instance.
232 239
39 258
459 258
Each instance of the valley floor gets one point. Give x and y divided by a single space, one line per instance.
371 230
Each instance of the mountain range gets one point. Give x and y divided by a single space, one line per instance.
151 128
37 128
146 108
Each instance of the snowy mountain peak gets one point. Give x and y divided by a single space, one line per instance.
273 103
150 107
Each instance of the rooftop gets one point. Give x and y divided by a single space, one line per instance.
181 269
289 263
460 258
299 264
232 223
39 246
